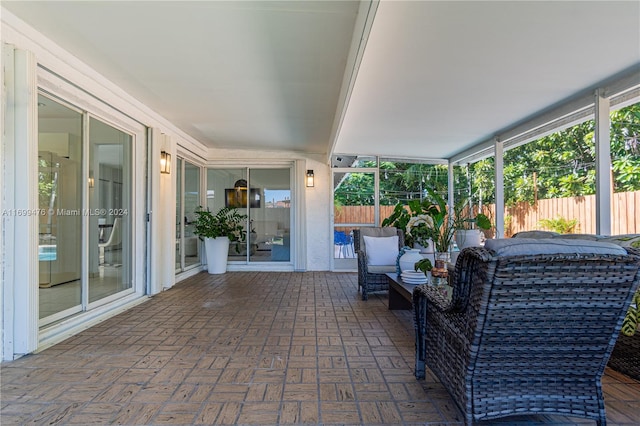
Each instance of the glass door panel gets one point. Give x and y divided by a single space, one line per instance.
228 188
179 216
60 210
270 215
354 206
110 221
191 243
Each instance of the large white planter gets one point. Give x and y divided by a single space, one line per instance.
468 238
217 252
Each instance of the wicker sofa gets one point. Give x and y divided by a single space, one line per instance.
526 333
372 278
625 357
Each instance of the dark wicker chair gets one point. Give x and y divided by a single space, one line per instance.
525 334
625 357
373 279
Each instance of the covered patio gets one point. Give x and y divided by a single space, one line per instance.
250 348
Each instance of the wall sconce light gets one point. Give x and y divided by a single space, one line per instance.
310 179
91 182
165 162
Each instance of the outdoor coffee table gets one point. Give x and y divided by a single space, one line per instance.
400 293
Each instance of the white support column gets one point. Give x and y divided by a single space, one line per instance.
499 184
162 214
603 165
20 207
450 188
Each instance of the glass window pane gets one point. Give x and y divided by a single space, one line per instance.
354 198
549 184
625 161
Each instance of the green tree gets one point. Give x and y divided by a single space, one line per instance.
562 164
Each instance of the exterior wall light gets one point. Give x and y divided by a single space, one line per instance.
310 179
165 162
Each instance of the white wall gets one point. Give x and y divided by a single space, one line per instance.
318 206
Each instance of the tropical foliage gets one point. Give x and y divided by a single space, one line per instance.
631 320
228 222
559 224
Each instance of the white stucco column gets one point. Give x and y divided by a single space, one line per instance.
499 185
603 164
20 203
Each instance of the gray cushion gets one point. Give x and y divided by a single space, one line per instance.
535 234
380 269
590 237
527 246
628 240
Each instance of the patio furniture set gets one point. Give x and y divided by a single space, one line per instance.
530 326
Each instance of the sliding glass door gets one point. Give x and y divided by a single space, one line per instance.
265 196
86 223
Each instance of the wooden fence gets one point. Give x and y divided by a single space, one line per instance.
525 217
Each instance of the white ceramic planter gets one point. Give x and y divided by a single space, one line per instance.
408 260
217 252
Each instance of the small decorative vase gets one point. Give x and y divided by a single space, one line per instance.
440 272
408 260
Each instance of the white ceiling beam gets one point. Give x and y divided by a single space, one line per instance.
362 28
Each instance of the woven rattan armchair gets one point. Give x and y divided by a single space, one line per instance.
372 278
525 334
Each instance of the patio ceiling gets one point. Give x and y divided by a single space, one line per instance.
405 79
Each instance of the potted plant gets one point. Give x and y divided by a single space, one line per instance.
217 231
409 218
468 226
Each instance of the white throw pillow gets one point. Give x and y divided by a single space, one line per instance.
381 250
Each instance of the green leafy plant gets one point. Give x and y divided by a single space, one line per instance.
559 225
465 219
228 222
441 229
630 323
423 265
402 214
